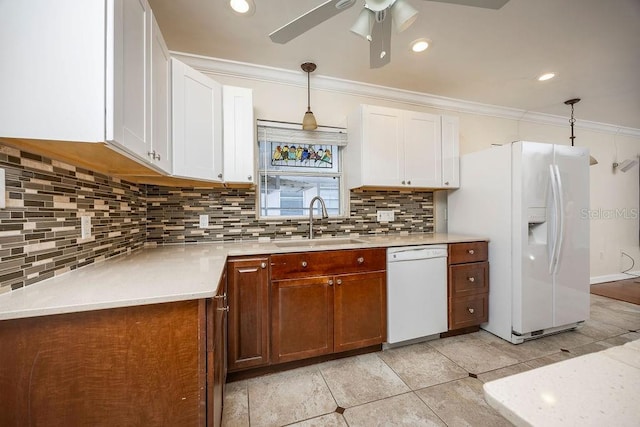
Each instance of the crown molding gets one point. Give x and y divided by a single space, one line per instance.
225 67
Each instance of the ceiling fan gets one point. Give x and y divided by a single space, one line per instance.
374 22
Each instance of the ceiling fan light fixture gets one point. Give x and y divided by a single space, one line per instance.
309 120
378 5
364 24
403 15
242 7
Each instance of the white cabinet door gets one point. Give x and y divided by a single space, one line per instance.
131 76
238 134
422 150
197 120
382 146
450 152
160 100
52 69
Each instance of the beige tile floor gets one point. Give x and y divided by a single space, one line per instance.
435 383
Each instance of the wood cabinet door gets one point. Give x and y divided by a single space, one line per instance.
217 340
302 318
248 313
360 310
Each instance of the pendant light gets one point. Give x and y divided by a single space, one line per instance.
572 121
309 121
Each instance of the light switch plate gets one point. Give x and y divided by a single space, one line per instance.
385 216
3 186
204 221
85 227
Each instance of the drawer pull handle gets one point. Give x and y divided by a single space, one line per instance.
471 310
304 264
223 308
330 282
263 265
339 281
471 279
471 251
223 296
361 260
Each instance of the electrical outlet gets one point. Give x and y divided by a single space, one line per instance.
85 226
385 216
204 221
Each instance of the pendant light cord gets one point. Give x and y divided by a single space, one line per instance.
308 91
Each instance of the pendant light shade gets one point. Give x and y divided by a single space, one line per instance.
309 121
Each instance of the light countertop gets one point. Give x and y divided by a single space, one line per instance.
597 389
170 273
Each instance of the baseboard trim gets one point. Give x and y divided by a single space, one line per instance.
613 277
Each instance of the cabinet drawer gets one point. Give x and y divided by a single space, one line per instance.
468 279
305 264
468 252
468 311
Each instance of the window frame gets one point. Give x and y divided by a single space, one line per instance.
343 192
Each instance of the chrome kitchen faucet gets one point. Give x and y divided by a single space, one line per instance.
324 213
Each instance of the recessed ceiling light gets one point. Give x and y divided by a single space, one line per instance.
420 45
546 76
242 7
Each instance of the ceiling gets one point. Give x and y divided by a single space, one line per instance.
481 55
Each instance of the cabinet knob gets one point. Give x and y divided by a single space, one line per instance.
471 279
263 265
223 308
360 260
339 281
471 310
223 296
220 175
446 183
409 182
330 282
471 251
403 182
249 177
158 158
304 264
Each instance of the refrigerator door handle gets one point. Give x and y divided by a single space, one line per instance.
554 216
560 239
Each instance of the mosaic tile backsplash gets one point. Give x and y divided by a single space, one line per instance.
40 228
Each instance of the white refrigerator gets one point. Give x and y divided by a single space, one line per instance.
531 200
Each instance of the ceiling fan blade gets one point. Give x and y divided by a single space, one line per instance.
487 4
380 45
309 20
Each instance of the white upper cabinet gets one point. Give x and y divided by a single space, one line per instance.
197 124
239 135
160 100
52 83
78 70
389 147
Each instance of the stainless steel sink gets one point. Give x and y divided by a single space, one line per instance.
316 242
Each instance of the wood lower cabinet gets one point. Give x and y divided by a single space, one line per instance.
322 310
468 287
217 341
248 340
143 365
301 318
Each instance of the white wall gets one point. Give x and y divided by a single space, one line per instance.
286 100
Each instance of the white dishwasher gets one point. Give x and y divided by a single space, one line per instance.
416 292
